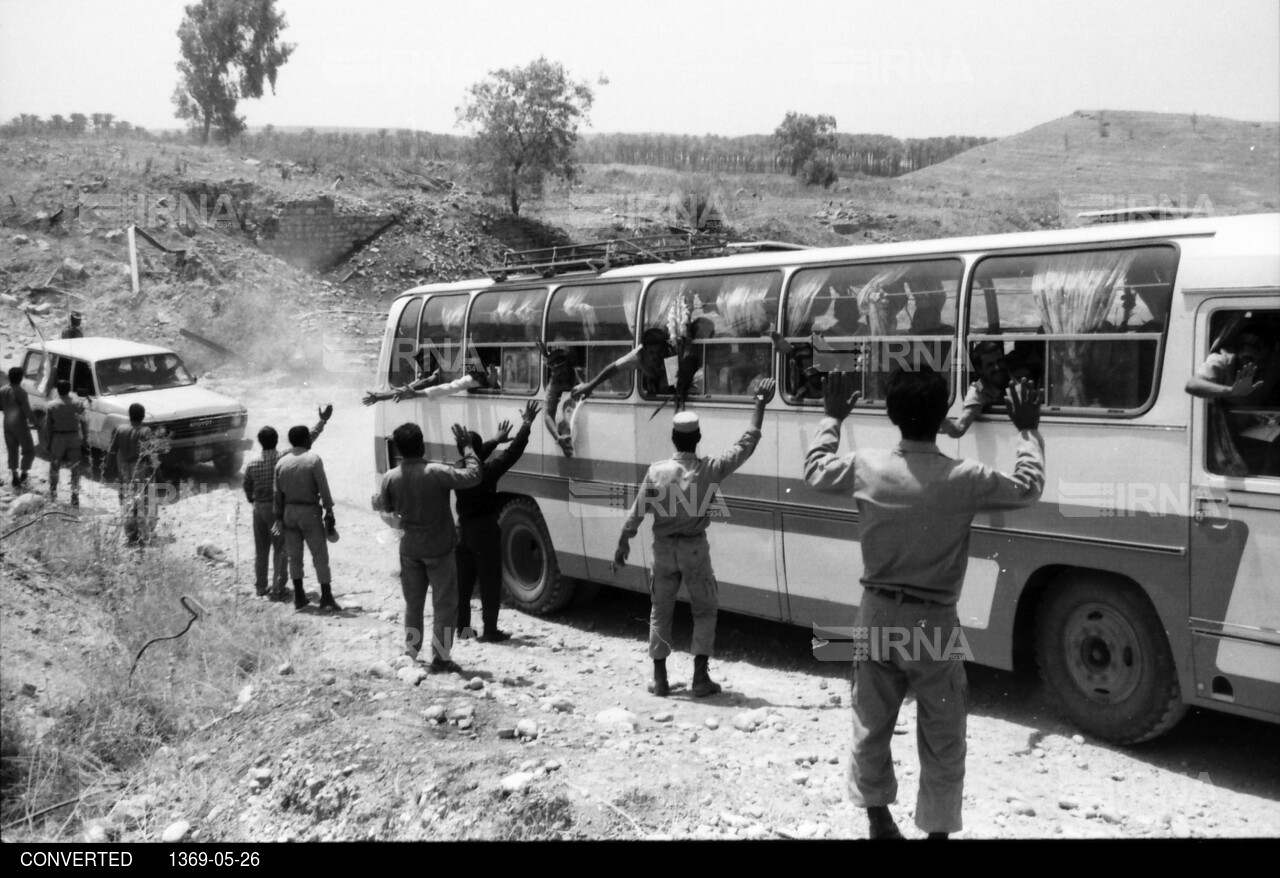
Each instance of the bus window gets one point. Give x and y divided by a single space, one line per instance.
1244 433
503 330
871 319
596 325
1086 326
718 332
407 360
441 336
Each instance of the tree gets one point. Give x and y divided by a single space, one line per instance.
78 123
229 49
526 125
800 137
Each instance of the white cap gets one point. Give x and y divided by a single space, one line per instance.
685 422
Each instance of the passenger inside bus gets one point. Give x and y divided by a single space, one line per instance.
1241 379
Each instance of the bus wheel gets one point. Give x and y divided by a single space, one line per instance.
530 573
1104 656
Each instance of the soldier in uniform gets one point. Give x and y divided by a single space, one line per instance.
68 435
679 492
915 507
16 408
73 329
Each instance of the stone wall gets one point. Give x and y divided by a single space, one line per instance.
309 235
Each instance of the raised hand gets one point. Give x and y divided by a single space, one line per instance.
1024 404
461 438
530 412
764 390
326 411
838 395
504 432
1244 385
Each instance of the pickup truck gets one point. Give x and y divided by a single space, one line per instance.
110 374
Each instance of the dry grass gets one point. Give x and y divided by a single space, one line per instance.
127 713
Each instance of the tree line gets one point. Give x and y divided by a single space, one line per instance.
72 125
875 155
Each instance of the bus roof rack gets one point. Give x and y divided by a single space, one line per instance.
1139 214
599 256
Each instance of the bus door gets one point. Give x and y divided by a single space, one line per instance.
1235 523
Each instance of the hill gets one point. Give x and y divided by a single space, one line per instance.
1093 160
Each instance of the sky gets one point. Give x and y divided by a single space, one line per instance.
907 68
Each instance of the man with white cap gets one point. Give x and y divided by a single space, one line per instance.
680 492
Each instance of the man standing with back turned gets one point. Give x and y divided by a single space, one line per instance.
679 491
915 506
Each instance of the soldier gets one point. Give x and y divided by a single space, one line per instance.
16 408
73 329
479 551
259 488
135 464
301 490
418 492
68 435
915 507
679 492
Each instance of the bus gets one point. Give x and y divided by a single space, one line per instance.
1138 582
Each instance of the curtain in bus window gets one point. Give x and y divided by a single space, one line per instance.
743 306
880 303
574 303
406 360
803 307
1074 293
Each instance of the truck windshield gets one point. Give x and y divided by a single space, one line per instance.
149 372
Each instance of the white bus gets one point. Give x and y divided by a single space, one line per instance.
1138 582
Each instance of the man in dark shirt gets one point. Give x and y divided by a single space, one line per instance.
73 329
135 464
418 492
16 408
479 551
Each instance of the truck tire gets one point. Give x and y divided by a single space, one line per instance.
1104 657
229 463
530 574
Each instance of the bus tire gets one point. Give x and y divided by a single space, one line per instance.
530 573
1104 657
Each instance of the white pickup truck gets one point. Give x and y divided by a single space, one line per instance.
110 375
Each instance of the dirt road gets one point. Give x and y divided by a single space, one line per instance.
552 734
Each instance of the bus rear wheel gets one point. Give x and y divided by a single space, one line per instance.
530 574
1104 656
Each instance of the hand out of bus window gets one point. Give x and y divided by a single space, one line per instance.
1244 385
1024 404
838 395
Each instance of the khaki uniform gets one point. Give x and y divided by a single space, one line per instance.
915 508
67 433
681 492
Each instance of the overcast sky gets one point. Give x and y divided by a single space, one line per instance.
909 68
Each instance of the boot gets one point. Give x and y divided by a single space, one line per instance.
299 596
703 685
881 822
326 598
659 686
